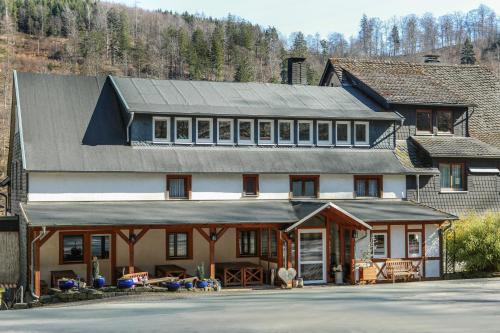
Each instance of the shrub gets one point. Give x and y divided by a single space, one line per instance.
477 242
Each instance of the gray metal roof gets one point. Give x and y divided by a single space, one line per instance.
456 146
73 123
217 212
247 99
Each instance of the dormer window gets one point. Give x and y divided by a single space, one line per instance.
285 131
183 130
225 131
204 130
324 129
361 133
305 132
444 121
424 121
266 131
161 129
245 132
343 130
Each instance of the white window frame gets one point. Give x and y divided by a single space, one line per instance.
225 142
367 133
252 124
190 131
209 140
408 244
385 245
322 142
265 142
343 143
286 142
161 140
307 142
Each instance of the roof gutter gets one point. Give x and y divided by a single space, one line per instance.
124 104
320 209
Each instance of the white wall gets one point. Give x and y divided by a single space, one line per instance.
432 240
432 268
394 186
398 241
66 186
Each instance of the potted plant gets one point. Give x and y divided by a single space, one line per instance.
125 283
65 284
337 271
201 283
98 279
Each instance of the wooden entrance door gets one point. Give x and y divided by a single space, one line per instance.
100 247
312 255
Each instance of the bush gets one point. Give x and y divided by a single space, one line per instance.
477 242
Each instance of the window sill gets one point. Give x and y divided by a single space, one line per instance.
250 196
285 144
179 258
343 145
424 133
367 198
362 145
266 143
205 143
246 144
161 142
324 145
305 144
444 134
183 143
454 191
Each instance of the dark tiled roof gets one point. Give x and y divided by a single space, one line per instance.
408 154
413 83
456 146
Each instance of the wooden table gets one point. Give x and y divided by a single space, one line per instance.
239 273
170 271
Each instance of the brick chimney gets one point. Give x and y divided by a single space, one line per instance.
429 58
297 72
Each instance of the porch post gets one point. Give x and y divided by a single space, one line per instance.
212 253
328 249
36 267
130 252
279 247
113 256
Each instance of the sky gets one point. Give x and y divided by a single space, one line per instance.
313 16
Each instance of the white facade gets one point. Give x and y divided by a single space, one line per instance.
65 186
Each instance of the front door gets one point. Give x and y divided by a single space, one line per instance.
312 267
100 248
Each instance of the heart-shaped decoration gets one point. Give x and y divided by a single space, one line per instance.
287 275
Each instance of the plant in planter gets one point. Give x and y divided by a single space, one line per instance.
125 283
337 272
98 279
202 282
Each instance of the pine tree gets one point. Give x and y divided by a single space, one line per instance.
243 70
299 47
198 55
467 55
217 53
395 41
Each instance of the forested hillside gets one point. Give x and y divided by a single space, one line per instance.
98 38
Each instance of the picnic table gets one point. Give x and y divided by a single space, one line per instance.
239 273
170 271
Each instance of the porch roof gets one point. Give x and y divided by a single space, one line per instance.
221 212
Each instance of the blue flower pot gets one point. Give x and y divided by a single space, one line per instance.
125 283
173 286
201 284
66 284
99 282
188 285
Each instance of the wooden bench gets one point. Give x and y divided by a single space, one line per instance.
399 268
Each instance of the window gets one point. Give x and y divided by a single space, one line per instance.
179 245
250 185
225 131
161 129
266 131
245 131
100 246
444 121
379 241
183 130
273 248
264 242
452 176
368 186
178 187
305 131
285 131
424 121
343 129
414 244
204 130
304 186
324 129
72 248
247 243
361 133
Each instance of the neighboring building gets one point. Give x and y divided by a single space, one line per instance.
451 125
143 172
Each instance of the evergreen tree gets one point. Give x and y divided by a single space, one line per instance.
467 55
198 55
299 47
395 41
243 70
217 53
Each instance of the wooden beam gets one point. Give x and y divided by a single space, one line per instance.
122 236
328 248
37 266
113 257
203 233
46 237
212 255
279 247
130 253
221 232
141 234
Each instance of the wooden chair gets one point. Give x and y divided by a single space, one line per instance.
399 268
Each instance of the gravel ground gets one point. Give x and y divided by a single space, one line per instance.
438 306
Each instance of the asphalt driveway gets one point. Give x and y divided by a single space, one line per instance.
440 306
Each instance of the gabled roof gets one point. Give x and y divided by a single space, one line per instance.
74 123
397 82
246 99
456 146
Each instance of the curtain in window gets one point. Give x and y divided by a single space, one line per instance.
414 245
177 189
297 188
379 245
309 188
264 241
274 244
372 188
178 244
248 245
456 176
360 188
444 169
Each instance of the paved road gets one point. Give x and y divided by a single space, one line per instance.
441 306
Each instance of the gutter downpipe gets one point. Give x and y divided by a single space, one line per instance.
418 187
32 284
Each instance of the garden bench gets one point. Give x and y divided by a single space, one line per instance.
399 268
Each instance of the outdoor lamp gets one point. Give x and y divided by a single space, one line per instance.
354 234
132 238
213 236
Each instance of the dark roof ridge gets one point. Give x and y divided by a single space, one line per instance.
403 62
